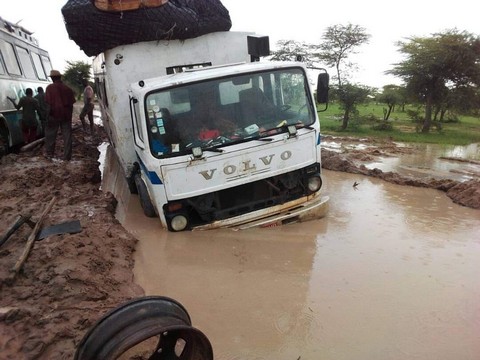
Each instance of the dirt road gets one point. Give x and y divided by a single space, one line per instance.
68 281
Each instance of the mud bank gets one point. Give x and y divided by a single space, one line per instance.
69 281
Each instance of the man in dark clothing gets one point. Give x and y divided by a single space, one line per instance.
42 114
29 107
60 99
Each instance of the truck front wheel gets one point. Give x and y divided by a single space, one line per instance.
145 202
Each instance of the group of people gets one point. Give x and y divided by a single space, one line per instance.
31 105
54 107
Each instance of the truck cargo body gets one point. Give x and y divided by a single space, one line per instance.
209 139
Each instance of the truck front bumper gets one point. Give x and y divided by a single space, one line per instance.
303 209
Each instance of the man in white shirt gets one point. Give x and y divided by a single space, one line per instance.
88 106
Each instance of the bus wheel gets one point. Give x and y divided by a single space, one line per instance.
4 140
147 206
149 323
3 147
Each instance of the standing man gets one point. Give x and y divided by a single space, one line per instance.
60 99
87 105
42 114
29 107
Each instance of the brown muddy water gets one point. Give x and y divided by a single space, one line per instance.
391 273
424 161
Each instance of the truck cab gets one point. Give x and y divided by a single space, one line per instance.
211 144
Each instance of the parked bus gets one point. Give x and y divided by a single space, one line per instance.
23 64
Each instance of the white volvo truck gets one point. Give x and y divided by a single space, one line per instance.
208 136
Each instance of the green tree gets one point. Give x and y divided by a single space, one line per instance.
464 99
438 66
392 96
290 50
339 42
349 96
74 74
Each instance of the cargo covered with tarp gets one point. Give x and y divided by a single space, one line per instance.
95 30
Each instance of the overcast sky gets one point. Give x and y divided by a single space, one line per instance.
301 20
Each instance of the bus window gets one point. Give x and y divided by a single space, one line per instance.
2 68
47 65
38 66
26 62
9 57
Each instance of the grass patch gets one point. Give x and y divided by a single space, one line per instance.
400 127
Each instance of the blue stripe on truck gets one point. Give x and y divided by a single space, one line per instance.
151 175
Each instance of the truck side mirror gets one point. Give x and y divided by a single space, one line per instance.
322 88
258 46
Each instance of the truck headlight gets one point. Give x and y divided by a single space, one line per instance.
314 183
179 222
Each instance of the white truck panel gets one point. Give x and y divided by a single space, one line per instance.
217 172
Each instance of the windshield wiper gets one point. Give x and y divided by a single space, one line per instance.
217 147
214 149
262 138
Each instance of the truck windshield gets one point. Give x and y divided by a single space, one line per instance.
228 110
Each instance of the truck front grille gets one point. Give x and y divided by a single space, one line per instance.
249 197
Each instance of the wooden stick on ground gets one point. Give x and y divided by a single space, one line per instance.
16 225
33 235
32 145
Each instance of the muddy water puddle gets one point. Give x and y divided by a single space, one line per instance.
390 273
455 162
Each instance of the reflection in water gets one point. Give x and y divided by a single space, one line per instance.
390 273
469 152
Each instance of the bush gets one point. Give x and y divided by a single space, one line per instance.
414 115
370 118
451 118
382 126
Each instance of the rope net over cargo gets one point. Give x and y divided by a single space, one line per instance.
95 31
